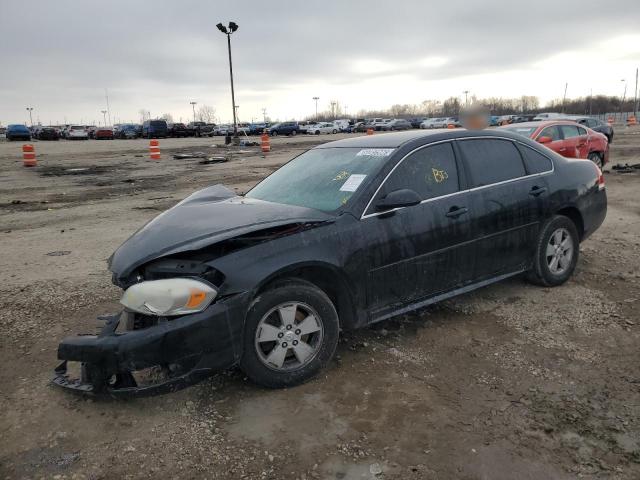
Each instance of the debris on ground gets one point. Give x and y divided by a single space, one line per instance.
210 160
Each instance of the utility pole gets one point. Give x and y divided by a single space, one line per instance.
104 116
30 109
333 110
264 115
635 96
590 101
466 100
316 99
624 96
564 98
193 106
106 96
228 31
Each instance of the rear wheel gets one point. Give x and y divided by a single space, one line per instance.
596 158
291 332
556 252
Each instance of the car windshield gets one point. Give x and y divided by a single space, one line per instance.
525 131
323 179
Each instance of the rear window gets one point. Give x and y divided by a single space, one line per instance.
491 161
535 161
525 131
157 123
570 131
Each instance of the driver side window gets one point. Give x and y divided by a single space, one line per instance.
430 172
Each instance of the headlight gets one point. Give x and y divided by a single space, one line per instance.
169 297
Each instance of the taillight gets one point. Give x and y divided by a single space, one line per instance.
600 178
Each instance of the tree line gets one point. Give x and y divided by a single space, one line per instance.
590 105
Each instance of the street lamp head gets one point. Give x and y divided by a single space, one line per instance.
233 26
222 28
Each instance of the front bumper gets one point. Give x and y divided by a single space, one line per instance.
187 349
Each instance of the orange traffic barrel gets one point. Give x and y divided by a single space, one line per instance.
264 142
28 156
451 125
369 131
631 121
154 150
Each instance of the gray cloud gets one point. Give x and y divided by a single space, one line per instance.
59 56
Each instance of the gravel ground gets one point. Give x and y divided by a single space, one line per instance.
512 381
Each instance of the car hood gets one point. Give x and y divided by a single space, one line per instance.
202 219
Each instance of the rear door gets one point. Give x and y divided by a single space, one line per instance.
584 140
507 204
574 145
421 250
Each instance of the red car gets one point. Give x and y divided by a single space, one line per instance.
566 138
103 133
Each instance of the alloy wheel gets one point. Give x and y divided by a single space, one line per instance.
289 336
559 251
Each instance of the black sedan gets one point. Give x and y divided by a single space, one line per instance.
348 233
48 133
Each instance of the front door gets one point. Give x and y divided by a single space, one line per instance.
417 251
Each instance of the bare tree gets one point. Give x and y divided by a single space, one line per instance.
144 114
207 113
167 117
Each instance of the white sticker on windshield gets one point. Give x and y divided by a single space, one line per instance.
374 152
352 183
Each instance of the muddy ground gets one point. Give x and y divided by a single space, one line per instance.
510 382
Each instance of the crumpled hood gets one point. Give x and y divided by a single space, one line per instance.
204 218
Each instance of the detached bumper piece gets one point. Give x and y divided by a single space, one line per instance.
159 359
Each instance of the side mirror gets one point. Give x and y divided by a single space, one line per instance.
545 139
398 198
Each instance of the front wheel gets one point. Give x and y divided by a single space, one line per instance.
291 333
293 133
556 252
596 158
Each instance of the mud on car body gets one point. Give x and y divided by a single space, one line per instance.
346 234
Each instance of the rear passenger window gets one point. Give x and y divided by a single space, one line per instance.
535 161
490 161
552 132
430 172
570 131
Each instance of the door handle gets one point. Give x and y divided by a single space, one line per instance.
455 212
535 191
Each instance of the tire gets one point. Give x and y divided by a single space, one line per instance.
317 132
264 321
274 134
596 158
555 231
293 133
334 131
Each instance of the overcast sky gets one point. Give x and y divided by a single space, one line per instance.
59 56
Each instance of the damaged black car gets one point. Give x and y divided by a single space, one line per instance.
346 234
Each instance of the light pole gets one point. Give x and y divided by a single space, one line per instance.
466 101
193 106
30 109
264 115
228 31
624 96
564 98
316 100
104 116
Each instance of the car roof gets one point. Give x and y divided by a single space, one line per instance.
398 139
543 123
